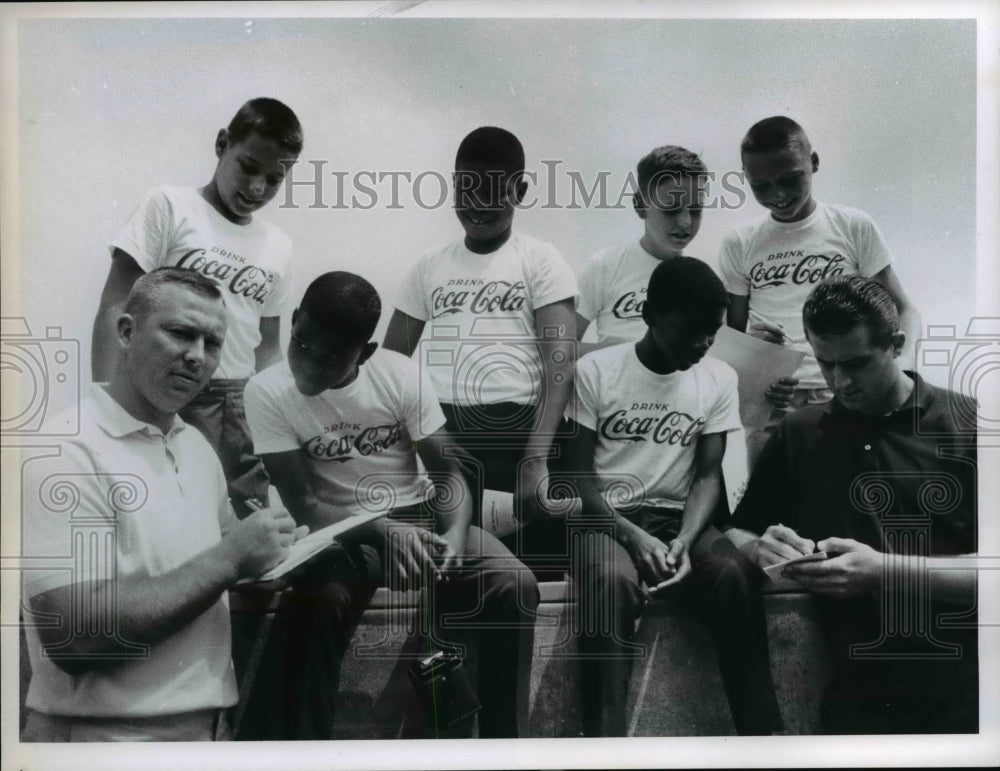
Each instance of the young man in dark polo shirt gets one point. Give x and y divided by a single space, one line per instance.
882 479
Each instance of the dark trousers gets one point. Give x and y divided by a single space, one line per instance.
219 414
722 592
489 606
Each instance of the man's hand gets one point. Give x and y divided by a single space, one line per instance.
853 568
409 554
780 543
781 390
260 541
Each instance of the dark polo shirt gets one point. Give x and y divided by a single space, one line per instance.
904 483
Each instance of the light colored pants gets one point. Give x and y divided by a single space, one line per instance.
205 725
757 437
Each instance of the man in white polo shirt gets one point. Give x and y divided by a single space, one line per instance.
132 542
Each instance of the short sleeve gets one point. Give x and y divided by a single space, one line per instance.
551 278
412 298
421 410
66 509
270 430
227 517
730 269
277 301
724 414
149 231
873 254
591 300
584 405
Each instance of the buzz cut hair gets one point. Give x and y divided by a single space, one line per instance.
667 163
838 304
343 303
775 133
495 148
686 284
142 298
269 118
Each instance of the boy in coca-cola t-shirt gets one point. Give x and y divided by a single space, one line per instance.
212 230
498 308
770 266
649 431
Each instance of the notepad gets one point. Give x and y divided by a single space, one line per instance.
308 547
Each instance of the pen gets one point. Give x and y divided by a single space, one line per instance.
784 334
253 504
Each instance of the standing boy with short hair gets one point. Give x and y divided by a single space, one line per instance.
650 424
769 267
340 427
212 230
499 309
613 282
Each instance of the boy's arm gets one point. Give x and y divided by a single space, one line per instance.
269 349
452 499
909 316
151 608
289 475
738 313
579 450
555 331
104 349
403 333
705 489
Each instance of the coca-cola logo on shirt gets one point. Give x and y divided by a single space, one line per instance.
244 280
672 427
373 439
477 296
628 306
811 269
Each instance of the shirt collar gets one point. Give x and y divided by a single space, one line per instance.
115 420
837 417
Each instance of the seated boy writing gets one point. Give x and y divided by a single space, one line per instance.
339 427
650 431
613 282
498 306
212 230
769 267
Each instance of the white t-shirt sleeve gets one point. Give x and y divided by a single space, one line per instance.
584 404
270 431
725 411
873 254
149 231
421 411
730 267
277 301
591 300
412 298
551 279
51 528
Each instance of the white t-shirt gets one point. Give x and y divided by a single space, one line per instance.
613 290
175 226
648 425
123 501
479 345
778 263
357 440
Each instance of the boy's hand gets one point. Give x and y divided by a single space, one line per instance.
532 493
781 390
765 330
679 562
853 568
780 543
650 556
409 555
260 541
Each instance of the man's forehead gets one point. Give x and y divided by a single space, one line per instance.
179 302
